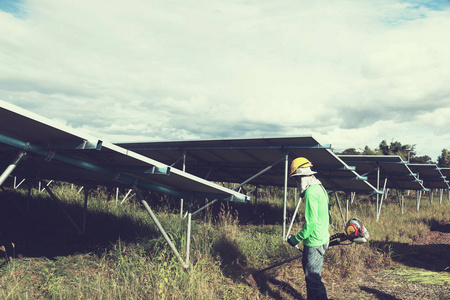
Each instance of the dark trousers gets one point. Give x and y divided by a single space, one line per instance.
312 261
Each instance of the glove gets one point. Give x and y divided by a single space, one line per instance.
292 240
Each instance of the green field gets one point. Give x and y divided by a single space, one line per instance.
123 256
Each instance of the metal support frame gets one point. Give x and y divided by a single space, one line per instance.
41 189
378 188
10 169
419 196
188 237
400 198
293 217
352 196
79 191
286 166
382 198
126 196
403 201
13 164
346 210
184 170
163 232
16 185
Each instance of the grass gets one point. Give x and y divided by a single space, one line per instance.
123 256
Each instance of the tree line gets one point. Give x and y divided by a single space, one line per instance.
406 152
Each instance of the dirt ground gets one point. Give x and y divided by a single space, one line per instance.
419 270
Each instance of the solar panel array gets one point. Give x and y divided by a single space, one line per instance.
60 153
56 152
236 160
431 175
389 168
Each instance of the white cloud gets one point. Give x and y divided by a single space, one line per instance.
351 73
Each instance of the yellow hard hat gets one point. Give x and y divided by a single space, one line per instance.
299 162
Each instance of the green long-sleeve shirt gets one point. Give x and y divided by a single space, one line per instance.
317 220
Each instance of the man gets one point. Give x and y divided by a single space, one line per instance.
314 232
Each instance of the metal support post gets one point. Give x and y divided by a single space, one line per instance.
184 170
13 165
382 197
441 193
40 188
265 170
293 217
16 186
346 211
126 196
286 166
419 195
402 202
378 188
188 238
431 195
161 229
79 191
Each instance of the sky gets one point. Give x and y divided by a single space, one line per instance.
350 73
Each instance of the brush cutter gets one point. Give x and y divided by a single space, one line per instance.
355 232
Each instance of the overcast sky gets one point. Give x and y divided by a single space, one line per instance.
350 73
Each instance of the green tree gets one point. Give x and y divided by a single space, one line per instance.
368 151
444 159
350 151
421 160
396 148
384 148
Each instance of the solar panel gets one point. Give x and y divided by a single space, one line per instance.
445 172
236 160
56 152
431 175
391 167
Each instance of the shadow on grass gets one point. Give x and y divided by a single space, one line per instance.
232 260
432 257
43 230
267 284
379 294
436 225
234 266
